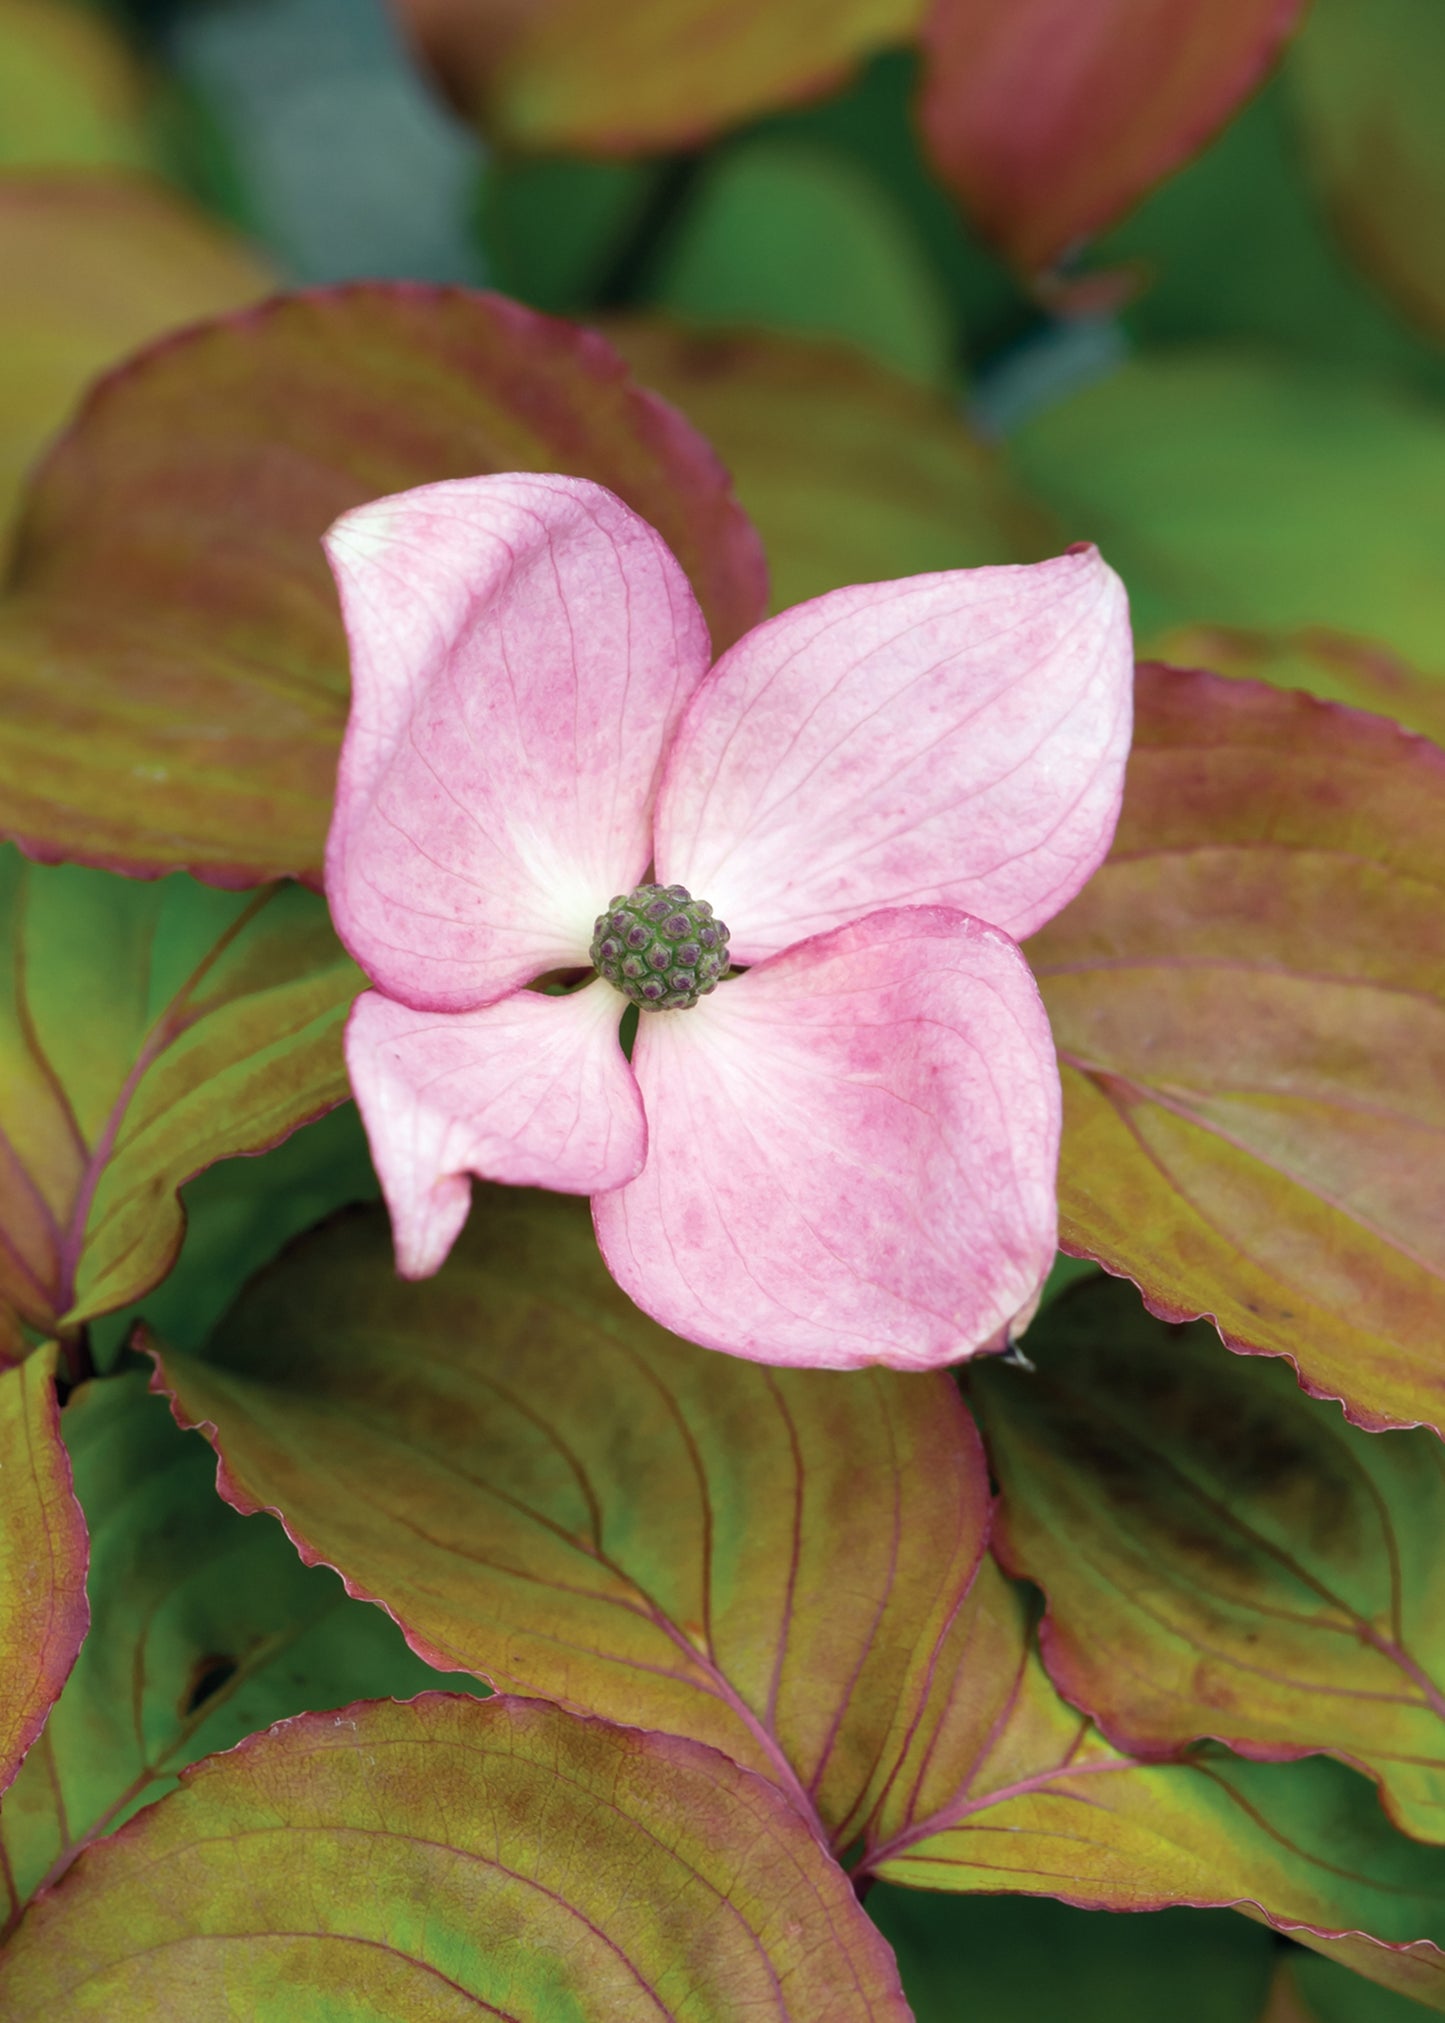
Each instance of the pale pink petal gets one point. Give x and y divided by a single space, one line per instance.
955 740
851 1151
534 1090
521 647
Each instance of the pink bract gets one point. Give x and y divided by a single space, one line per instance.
844 1155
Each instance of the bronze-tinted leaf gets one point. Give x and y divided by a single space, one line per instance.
547 1489
43 1551
1249 1004
445 1859
94 265
851 474
172 668
1222 1555
146 1030
1050 119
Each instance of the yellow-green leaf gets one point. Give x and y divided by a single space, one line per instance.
146 1030
449 1858
548 1490
43 1548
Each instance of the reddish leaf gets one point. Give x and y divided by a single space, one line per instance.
1247 1000
172 668
1336 666
852 474
447 1858
1004 1787
548 1490
93 266
145 1032
602 77
1222 1555
43 1549
1050 119
1367 78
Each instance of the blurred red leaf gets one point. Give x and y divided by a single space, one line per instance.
1249 1004
1049 119
173 674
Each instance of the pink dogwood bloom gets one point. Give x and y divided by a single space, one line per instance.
846 1153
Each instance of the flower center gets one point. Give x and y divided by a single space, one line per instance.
660 947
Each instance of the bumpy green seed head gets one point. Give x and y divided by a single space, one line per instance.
661 947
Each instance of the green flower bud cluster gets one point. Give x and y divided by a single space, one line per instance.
660 947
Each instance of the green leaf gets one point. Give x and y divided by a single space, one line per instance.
629 76
1249 1004
850 473
172 668
205 1628
1027 1960
1235 247
94 265
1367 80
1324 1993
43 1613
145 1031
551 1492
71 94
554 226
787 236
1005 1787
447 1858
1232 489
1222 1555
240 1213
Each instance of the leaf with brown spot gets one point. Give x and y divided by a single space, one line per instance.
1222 1555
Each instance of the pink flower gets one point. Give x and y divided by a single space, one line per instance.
845 1154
